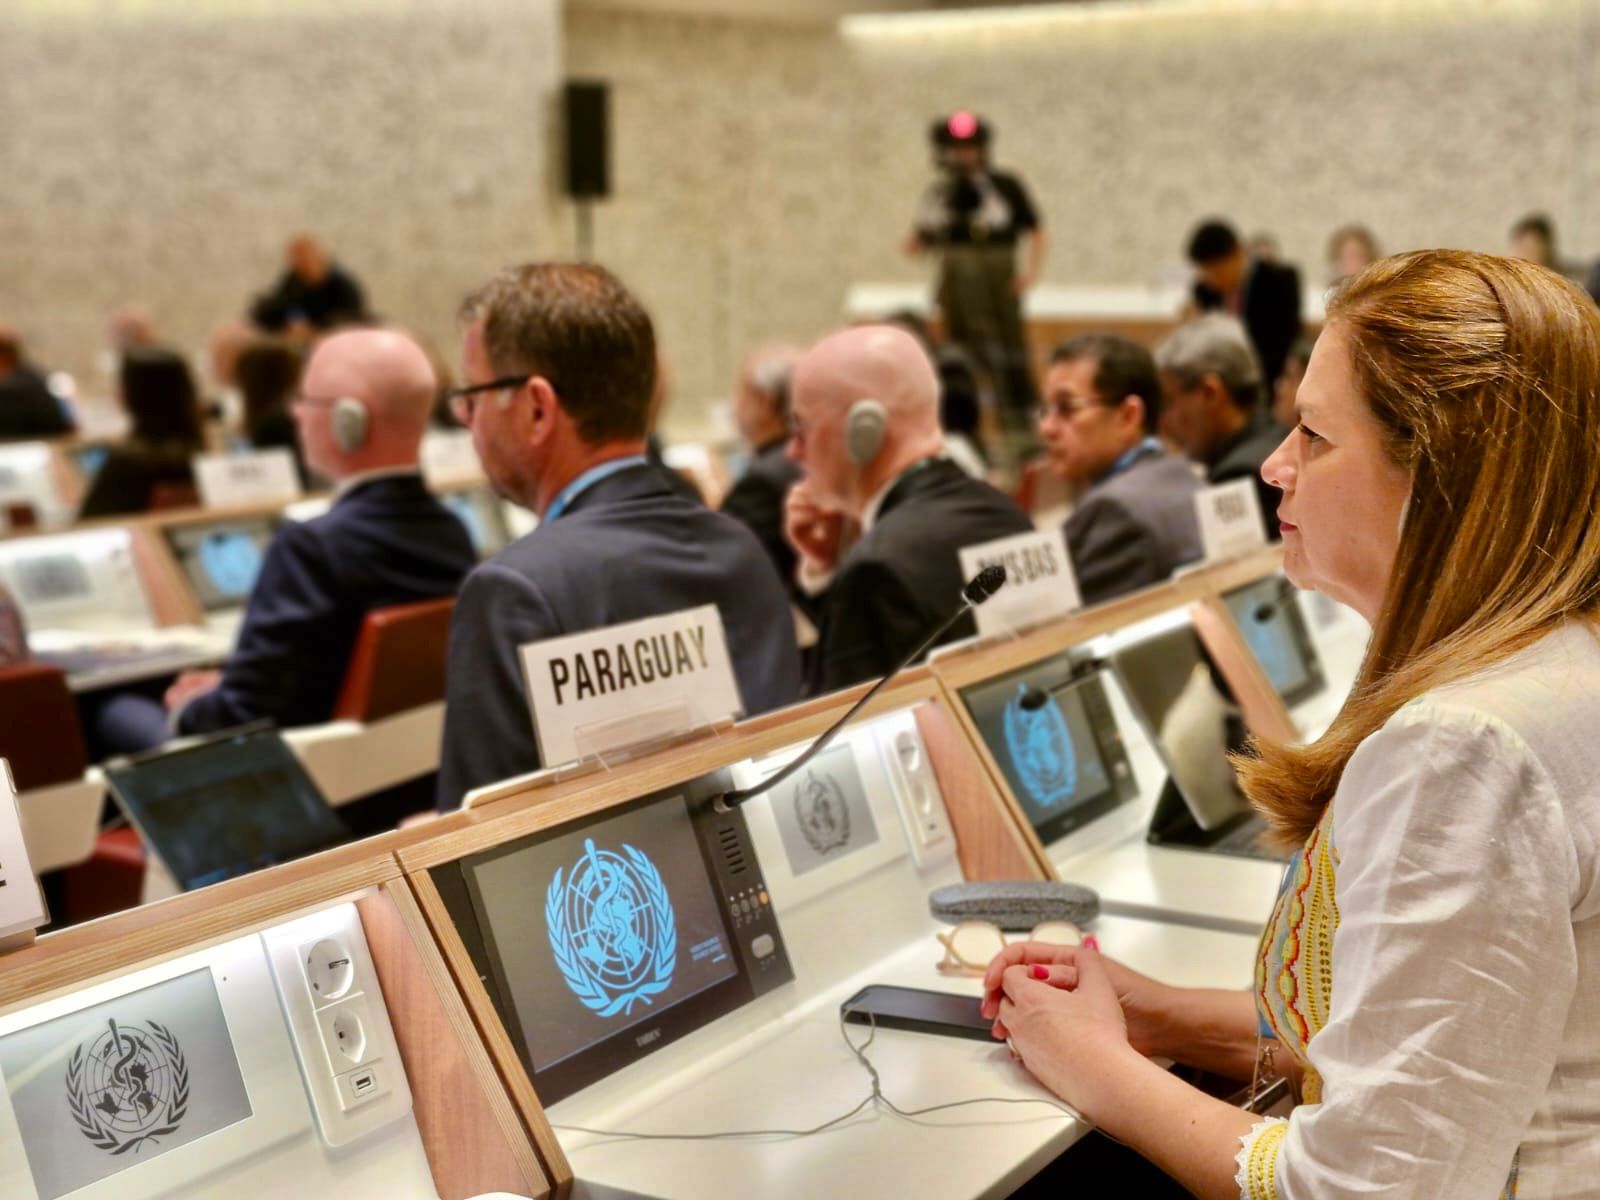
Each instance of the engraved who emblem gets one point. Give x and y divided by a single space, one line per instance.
128 1086
821 812
612 929
1041 749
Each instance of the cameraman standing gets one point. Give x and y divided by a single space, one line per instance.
974 216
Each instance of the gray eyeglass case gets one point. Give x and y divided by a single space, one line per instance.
1016 905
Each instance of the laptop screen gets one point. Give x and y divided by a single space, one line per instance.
226 807
1052 734
222 558
1273 627
1169 681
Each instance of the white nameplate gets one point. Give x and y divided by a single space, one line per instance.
246 480
448 456
21 902
1230 519
610 688
1039 580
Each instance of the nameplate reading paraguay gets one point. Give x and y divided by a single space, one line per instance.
1039 585
1230 520
604 689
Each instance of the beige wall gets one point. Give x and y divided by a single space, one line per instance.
760 168
160 151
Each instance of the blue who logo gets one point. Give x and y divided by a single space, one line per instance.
612 929
231 561
1041 749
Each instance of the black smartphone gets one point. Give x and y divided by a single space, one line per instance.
917 1009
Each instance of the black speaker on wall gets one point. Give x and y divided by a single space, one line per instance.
587 114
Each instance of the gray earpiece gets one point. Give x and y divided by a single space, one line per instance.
865 426
348 422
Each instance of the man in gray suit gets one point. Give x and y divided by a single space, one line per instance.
1135 521
559 361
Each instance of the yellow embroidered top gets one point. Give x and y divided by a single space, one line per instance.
1452 891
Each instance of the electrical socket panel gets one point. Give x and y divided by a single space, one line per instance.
916 789
342 1036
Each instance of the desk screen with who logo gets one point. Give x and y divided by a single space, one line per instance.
823 813
603 942
119 1083
1050 729
222 558
1275 631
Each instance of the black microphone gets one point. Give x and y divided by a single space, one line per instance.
978 589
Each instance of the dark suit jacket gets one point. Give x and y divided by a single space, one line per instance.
1131 529
903 577
626 548
384 542
127 481
1241 457
1270 312
757 501
29 409
654 451
337 299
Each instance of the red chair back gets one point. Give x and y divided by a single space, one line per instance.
39 731
399 661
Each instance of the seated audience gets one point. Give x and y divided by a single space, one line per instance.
153 467
267 371
961 396
1264 295
1212 406
1426 982
559 364
865 405
1351 248
385 541
314 293
28 408
654 447
1533 238
13 630
1135 519
761 411
1288 385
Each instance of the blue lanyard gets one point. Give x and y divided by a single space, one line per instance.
587 480
1132 455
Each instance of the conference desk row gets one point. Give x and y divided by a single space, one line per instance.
564 988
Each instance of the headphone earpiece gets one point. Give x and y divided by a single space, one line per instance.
348 421
865 426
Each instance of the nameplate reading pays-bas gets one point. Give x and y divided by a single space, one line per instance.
1040 584
1230 520
610 688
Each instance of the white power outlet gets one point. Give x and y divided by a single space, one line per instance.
342 1035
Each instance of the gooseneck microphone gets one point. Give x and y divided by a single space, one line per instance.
978 589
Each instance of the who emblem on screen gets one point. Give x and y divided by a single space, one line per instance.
612 929
821 812
128 1086
1041 749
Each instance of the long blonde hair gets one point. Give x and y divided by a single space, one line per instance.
1484 373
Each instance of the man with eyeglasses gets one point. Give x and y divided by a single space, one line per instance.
360 414
1134 520
560 363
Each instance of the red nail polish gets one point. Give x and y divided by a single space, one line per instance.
1092 943
1040 972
